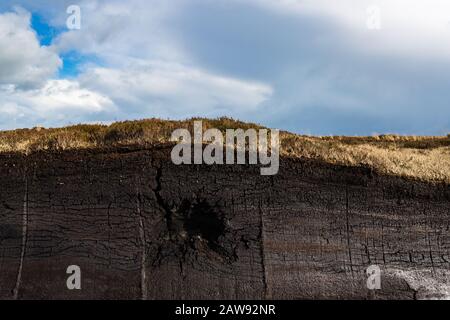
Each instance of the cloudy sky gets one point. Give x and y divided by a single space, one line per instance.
351 67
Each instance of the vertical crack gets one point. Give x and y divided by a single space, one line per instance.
143 246
382 243
262 252
430 247
430 252
109 232
347 227
159 199
24 240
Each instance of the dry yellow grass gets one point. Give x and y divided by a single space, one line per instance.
424 158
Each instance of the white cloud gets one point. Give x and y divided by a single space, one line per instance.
23 62
116 29
181 58
57 102
412 28
146 75
174 90
28 94
140 90
409 28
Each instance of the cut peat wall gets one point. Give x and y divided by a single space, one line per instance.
140 227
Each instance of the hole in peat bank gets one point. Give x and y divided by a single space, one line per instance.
201 219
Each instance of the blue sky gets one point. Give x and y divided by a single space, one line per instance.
315 67
46 33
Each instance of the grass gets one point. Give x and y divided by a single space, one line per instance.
424 158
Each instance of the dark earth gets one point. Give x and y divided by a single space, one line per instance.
140 227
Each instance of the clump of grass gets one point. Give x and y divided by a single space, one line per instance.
425 158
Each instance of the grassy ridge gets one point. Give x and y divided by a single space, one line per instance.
425 158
